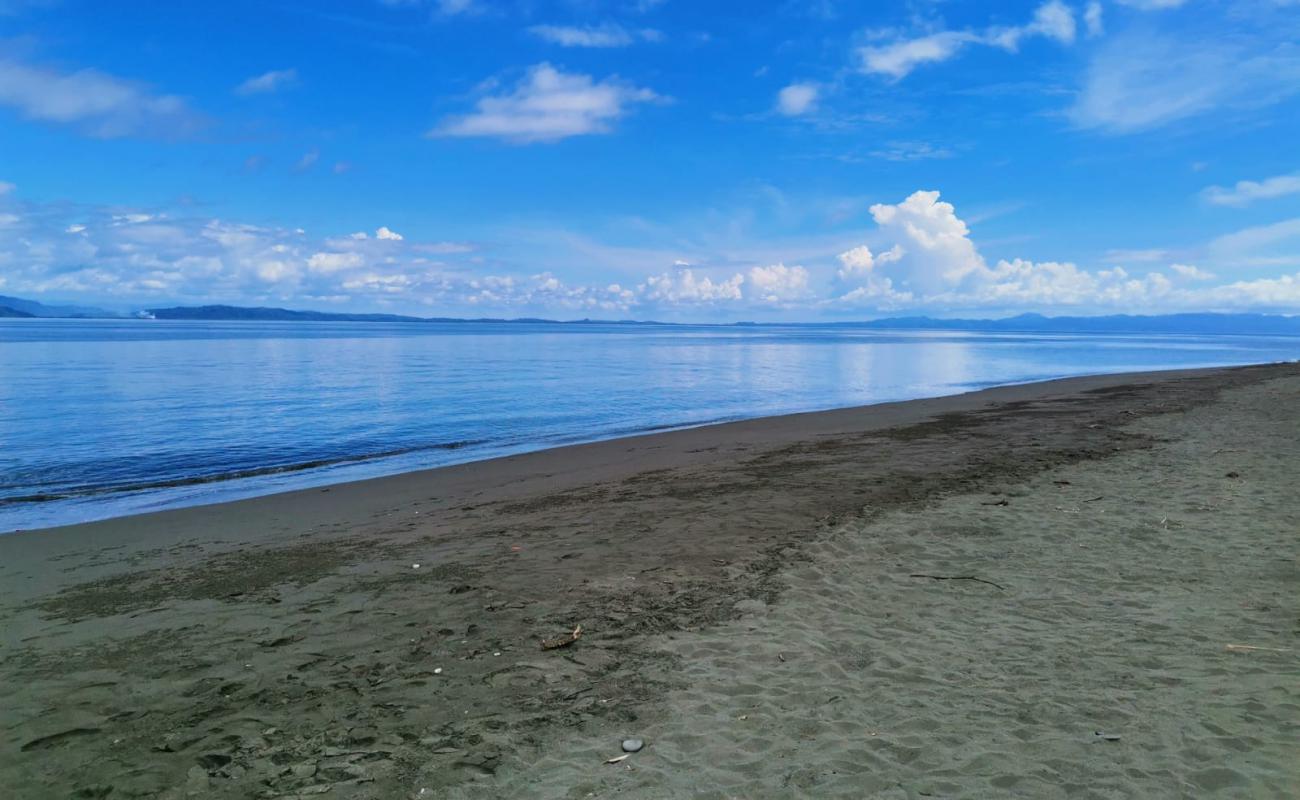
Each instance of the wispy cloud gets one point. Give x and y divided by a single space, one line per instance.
548 105
896 59
604 35
307 161
99 104
1141 81
1151 5
1093 18
268 82
1243 193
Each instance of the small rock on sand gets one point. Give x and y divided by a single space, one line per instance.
632 745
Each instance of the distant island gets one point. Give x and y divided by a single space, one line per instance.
1203 323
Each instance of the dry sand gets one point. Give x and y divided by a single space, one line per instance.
749 608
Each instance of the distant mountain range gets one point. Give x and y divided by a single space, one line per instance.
1025 323
31 308
284 314
1117 323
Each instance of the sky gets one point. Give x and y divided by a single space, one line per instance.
810 160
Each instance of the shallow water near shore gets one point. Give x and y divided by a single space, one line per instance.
100 418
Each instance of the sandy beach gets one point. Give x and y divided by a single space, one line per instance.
1083 588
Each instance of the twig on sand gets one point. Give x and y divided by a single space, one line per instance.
1246 648
957 578
617 759
1002 502
562 641
1095 499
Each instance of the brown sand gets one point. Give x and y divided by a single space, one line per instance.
748 608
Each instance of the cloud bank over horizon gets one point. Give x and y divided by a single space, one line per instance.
919 257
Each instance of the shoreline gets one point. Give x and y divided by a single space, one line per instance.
781 420
375 638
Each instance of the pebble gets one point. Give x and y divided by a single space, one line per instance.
632 745
437 671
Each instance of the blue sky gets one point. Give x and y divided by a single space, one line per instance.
791 160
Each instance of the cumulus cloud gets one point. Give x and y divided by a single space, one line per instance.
1191 273
684 288
859 262
1246 192
797 99
1052 20
546 106
268 82
934 265
99 104
388 235
605 35
934 245
778 284
6 188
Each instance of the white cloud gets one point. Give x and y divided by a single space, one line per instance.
1254 239
777 284
1053 20
797 98
6 188
935 246
1093 18
546 106
900 58
334 262
858 263
307 161
1190 272
683 288
1142 81
1246 192
935 265
388 235
604 35
101 105
268 82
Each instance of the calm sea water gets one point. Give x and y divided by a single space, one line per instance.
104 418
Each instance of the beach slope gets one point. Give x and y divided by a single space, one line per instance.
1079 588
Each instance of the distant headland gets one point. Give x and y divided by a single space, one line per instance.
1201 323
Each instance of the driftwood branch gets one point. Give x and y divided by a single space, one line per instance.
957 578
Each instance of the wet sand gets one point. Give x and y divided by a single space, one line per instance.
1023 592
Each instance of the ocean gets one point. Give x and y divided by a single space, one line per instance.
102 418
